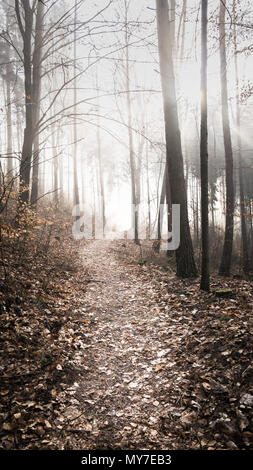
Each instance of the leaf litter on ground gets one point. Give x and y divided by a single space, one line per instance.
121 355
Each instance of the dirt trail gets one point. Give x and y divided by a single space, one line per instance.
124 395
111 354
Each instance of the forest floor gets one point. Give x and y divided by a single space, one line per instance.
118 354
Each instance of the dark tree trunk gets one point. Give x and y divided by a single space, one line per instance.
26 158
184 254
245 247
36 99
205 276
197 209
229 228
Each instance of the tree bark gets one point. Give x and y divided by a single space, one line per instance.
100 166
37 54
101 179
55 142
9 114
229 227
184 254
182 25
130 134
26 158
205 276
76 190
245 248
148 191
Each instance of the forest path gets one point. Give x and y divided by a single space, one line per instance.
123 396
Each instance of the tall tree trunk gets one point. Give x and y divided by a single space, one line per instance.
26 33
36 93
19 127
251 234
76 190
172 19
55 141
61 191
83 173
100 166
138 171
42 179
182 25
197 209
229 228
212 197
68 178
130 132
9 134
245 248
184 254
213 183
9 114
186 170
93 207
205 276
148 191
101 179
